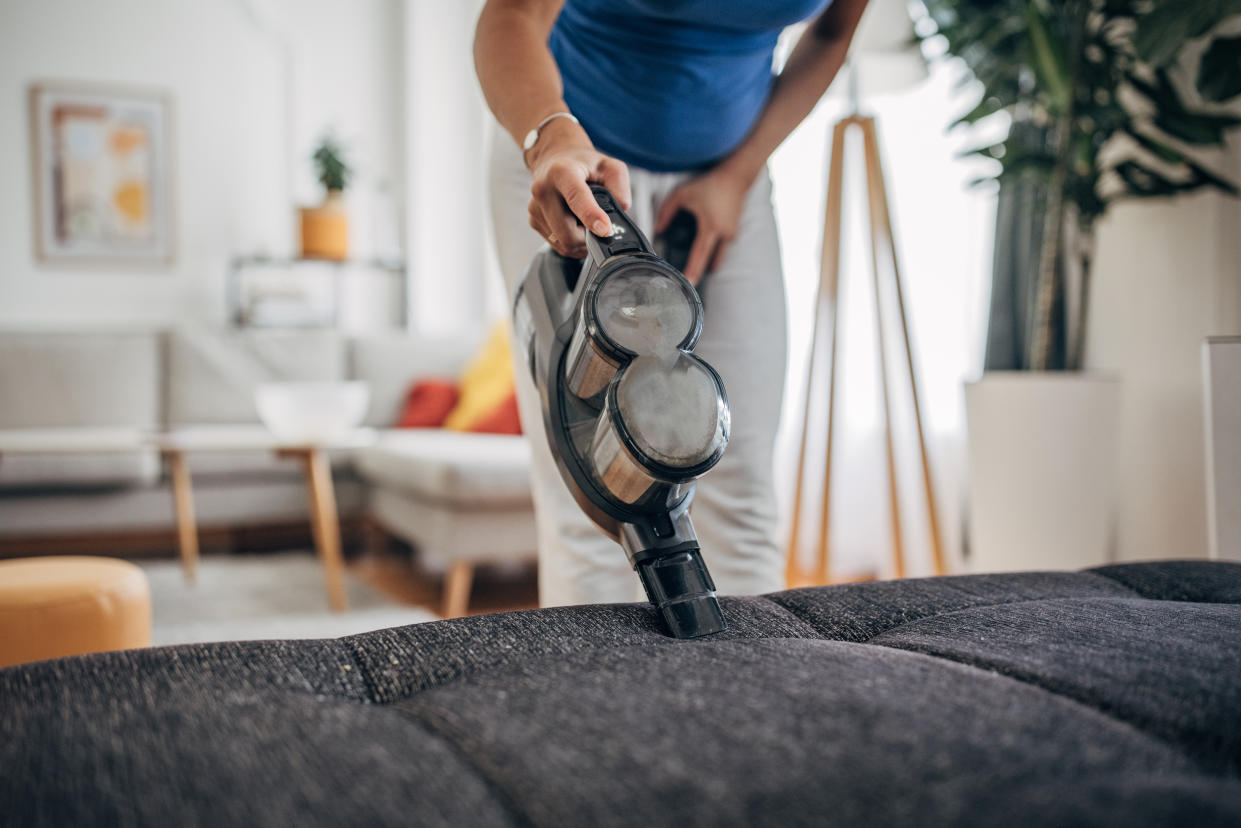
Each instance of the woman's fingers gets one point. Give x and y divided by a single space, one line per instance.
540 227
667 210
562 203
616 178
558 226
721 250
700 254
703 248
716 200
576 193
536 221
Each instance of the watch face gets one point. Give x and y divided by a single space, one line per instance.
645 311
673 410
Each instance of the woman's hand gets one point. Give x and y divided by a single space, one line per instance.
562 163
716 198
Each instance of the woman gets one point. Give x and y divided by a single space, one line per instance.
672 106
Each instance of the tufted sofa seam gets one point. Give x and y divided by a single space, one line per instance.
826 634
376 694
1233 772
1113 576
446 732
973 607
447 736
810 630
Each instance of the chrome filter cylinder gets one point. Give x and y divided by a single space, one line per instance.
633 416
662 424
641 310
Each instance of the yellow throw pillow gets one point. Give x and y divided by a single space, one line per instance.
486 384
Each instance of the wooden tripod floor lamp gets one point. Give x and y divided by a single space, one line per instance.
827 325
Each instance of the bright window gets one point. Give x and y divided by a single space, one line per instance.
943 231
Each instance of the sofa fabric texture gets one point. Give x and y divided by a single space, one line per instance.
1107 697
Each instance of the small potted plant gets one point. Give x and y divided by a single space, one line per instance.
1108 100
325 229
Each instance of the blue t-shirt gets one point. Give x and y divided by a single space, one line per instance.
670 85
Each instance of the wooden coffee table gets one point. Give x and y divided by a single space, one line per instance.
174 445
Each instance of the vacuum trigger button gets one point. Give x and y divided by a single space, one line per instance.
662 526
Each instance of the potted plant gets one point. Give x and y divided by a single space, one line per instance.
1107 100
325 229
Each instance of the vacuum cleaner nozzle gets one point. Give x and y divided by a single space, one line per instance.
632 415
680 586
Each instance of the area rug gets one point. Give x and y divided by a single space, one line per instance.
262 597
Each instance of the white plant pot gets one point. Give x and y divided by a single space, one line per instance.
1042 459
1221 367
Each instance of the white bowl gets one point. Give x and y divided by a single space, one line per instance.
312 412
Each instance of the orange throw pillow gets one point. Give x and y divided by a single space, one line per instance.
428 404
488 395
503 420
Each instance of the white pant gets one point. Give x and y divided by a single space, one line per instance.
743 338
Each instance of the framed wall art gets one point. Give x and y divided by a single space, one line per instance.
102 174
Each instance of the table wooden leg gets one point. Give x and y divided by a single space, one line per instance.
457 585
183 500
325 523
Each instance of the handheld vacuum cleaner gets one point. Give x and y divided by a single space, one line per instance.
632 415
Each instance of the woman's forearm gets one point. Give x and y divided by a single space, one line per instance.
522 85
811 68
516 70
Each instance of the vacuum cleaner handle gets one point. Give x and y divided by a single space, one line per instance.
625 237
672 245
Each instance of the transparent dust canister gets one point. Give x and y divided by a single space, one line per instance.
664 422
643 308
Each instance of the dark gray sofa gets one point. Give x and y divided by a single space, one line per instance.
1107 697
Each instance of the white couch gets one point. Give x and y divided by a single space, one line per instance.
460 499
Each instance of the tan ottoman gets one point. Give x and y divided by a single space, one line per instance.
52 607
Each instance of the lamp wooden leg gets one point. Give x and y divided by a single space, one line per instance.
793 570
457 585
325 523
874 183
183 502
882 243
825 312
830 267
879 198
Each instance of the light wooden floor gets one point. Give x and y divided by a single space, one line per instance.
397 577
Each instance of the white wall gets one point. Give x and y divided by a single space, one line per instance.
237 109
1168 274
445 144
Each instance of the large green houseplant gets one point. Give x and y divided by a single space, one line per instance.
1108 100
1105 100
